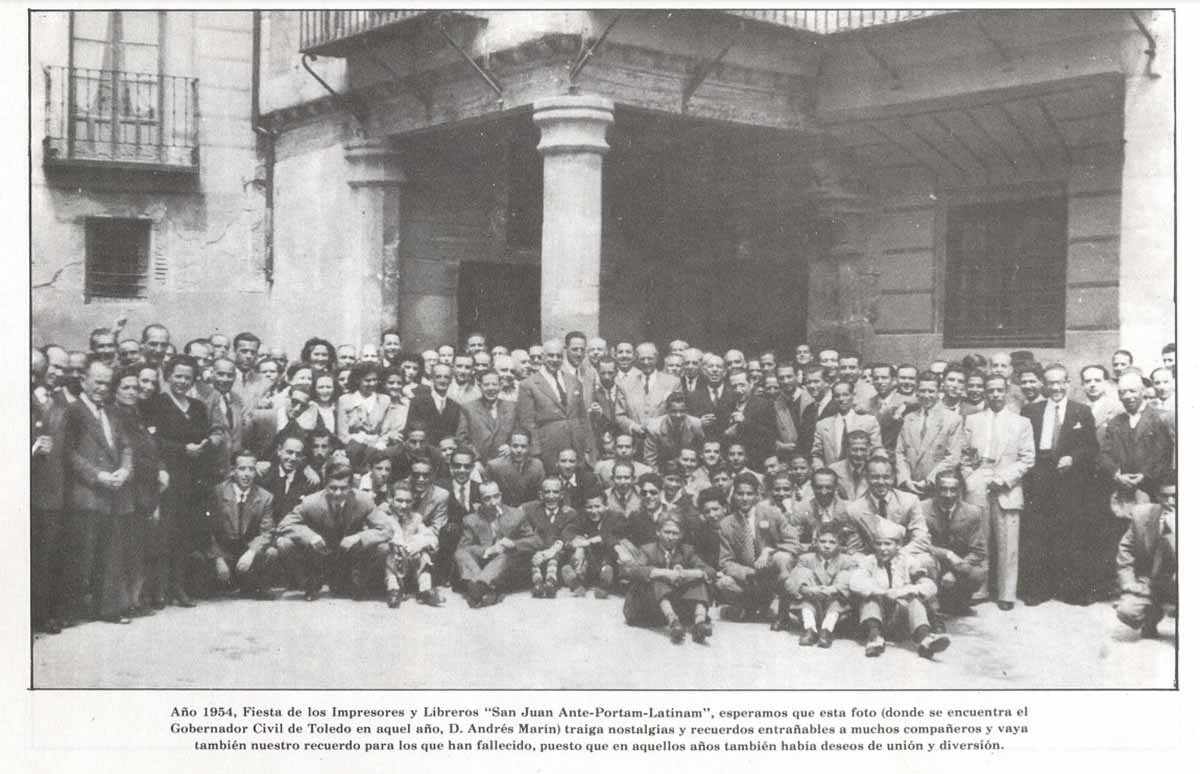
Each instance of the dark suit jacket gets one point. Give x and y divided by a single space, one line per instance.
517 485
758 431
655 559
961 531
88 454
700 402
456 510
585 481
1051 492
231 536
437 425
486 435
614 414
47 474
146 461
704 536
283 503
315 516
189 477
807 429
564 528
1149 448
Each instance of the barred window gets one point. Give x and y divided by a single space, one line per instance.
118 258
1006 268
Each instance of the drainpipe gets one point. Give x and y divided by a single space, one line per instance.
265 144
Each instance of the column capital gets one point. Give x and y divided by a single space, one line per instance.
573 123
372 162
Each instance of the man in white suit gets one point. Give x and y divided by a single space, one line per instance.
831 435
930 440
647 390
999 452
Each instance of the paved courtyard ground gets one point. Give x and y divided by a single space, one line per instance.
575 643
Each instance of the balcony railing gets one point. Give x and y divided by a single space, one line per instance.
833 21
117 118
322 32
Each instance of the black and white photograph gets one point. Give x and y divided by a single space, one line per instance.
624 348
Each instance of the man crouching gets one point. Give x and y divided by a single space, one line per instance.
894 590
410 551
669 582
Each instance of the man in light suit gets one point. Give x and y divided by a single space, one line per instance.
494 554
1147 562
999 452
1057 530
956 537
336 534
518 474
227 412
99 464
240 519
667 435
623 448
487 423
647 390
550 408
829 438
824 509
930 440
852 471
884 502
758 548
576 363
793 399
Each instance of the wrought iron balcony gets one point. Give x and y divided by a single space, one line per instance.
829 22
124 119
330 33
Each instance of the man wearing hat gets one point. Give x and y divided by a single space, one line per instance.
894 592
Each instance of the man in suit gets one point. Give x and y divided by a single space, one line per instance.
239 516
669 582
518 474
496 548
248 383
956 539
487 423
852 471
555 525
226 412
1139 447
751 420
47 487
1147 562
954 386
757 552
99 464
667 435
576 481
690 376
608 411
623 448
822 406
930 440
338 535
550 408
576 363
883 502
647 390
710 400
820 581
793 399
1001 364
998 453
593 554
435 408
1057 529
829 437
823 509
433 503
462 388
850 370
285 480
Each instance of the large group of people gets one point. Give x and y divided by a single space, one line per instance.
806 489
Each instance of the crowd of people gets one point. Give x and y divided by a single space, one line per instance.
804 489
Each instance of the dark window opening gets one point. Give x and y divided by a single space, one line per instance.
118 258
1006 266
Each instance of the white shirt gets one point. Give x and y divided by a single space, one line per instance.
554 379
1052 413
439 401
101 416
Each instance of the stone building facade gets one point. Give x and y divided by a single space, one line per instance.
906 183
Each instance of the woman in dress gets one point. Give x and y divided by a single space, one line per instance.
361 411
185 444
325 395
148 480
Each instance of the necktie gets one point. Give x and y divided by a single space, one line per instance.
228 412
676 436
287 483
562 393
108 436
844 443
1054 428
888 568
241 510
646 384
924 424
883 508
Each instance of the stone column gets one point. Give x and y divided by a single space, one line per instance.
370 286
573 146
1146 295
